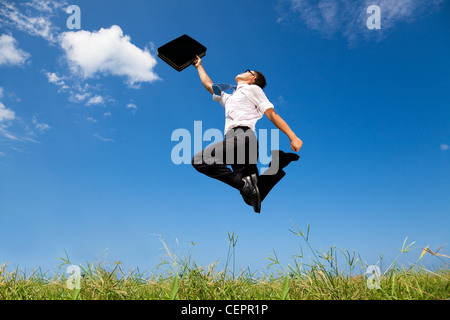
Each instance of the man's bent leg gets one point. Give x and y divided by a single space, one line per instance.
210 162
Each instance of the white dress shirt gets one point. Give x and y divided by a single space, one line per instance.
244 107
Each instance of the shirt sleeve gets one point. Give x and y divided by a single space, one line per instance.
258 97
222 98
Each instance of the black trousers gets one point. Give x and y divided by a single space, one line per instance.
239 150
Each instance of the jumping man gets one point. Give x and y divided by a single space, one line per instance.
243 108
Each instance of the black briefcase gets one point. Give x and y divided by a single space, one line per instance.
181 52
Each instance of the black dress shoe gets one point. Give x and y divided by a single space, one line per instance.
246 190
250 192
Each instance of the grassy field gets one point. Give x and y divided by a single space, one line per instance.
316 276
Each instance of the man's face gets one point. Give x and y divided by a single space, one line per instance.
247 76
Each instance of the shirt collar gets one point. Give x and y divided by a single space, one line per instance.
241 85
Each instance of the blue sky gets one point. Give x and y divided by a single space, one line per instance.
86 118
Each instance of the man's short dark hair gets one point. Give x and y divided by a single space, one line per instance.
260 80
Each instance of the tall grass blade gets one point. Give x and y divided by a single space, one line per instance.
175 286
285 291
76 294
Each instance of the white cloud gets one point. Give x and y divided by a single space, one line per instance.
79 97
79 93
91 119
444 147
14 137
53 78
102 139
9 52
40 126
132 106
108 52
35 21
89 54
6 114
95 100
48 6
348 18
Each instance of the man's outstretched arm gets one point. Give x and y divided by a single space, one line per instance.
296 143
207 82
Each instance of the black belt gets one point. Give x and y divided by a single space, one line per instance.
241 127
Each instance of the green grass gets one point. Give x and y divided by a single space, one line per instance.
316 276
